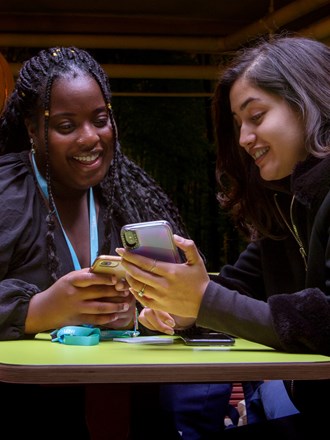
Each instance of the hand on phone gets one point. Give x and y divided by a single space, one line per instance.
108 264
151 239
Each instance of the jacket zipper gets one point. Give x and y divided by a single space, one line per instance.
294 232
293 229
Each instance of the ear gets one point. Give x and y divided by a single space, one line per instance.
30 127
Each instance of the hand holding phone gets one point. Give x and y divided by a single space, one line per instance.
108 264
151 239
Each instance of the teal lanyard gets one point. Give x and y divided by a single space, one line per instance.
88 335
93 233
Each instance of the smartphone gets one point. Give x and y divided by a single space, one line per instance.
108 264
213 338
152 239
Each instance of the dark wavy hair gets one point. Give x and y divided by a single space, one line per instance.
129 193
298 70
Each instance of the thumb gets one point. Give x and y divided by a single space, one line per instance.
188 247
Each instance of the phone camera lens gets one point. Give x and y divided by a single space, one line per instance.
131 238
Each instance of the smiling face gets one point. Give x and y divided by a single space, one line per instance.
269 130
80 135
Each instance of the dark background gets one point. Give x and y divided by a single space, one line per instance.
163 59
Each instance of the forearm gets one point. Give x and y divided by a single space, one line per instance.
42 315
227 310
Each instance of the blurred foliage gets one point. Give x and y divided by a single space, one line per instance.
171 139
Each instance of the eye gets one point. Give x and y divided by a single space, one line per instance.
65 127
257 117
101 122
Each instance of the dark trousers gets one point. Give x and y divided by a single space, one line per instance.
295 427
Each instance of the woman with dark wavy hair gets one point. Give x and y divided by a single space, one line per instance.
272 120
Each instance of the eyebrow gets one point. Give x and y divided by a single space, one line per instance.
246 103
70 114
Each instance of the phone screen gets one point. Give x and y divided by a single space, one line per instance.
213 338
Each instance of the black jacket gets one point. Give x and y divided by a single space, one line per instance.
23 254
268 296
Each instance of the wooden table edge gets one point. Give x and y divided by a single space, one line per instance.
162 373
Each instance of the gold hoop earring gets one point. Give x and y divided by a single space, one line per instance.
33 147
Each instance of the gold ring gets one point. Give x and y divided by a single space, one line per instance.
141 292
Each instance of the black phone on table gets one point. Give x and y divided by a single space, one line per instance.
212 338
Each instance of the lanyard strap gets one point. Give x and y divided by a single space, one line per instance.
93 233
77 335
88 335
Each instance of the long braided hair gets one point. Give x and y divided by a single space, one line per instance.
129 193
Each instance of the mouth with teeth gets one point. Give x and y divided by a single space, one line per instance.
260 152
90 158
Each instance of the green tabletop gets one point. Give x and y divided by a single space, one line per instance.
42 351
109 361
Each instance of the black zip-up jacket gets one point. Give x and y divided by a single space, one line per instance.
268 296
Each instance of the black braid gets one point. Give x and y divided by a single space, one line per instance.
130 194
53 260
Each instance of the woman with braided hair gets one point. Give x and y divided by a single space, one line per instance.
66 189
127 192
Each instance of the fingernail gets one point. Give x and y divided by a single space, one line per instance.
170 322
119 251
170 332
178 238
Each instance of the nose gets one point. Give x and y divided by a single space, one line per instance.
247 137
88 136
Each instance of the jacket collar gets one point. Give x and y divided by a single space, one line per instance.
310 181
